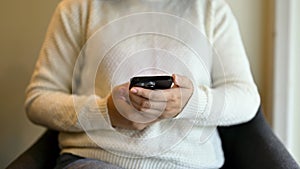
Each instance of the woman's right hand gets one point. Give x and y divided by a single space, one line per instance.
122 114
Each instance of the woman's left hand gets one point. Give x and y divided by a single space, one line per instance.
163 104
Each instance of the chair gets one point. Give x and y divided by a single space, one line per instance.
251 145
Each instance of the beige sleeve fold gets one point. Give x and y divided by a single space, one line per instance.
49 98
233 97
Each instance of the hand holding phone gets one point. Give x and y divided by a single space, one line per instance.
162 104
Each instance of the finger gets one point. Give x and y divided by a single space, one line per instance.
122 106
144 115
182 81
141 107
147 104
139 102
155 95
130 114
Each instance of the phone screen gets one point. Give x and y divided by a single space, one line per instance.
152 82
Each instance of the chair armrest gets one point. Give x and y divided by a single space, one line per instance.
253 145
41 155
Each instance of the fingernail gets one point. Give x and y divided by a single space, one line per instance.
133 90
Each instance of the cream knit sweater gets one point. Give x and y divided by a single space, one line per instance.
69 87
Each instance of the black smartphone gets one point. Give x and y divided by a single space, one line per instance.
151 82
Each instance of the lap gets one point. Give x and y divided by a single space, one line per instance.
70 161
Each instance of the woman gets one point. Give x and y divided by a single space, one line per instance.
80 83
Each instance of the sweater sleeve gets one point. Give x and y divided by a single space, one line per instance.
231 75
49 99
233 96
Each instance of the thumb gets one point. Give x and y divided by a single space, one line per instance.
182 81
